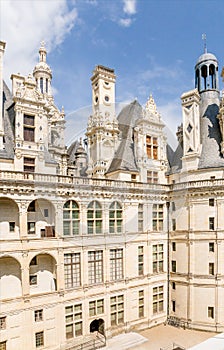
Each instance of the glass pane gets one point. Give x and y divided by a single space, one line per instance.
68 309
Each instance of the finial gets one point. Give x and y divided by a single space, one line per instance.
42 44
205 43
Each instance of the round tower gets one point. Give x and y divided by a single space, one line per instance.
42 72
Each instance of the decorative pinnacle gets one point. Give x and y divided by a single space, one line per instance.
205 43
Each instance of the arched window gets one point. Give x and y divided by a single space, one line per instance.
94 218
115 218
71 218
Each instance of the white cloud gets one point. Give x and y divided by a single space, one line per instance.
24 24
129 7
125 22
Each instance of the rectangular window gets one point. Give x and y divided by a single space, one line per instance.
133 177
152 177
12 226
211 268
211 202
211 247
210 311
157 217
173 206
173 246
29 165
116 264
173 266
72 270
39 339
31 228
95 266
3 345
73 321
29 128
158 299
211 223
174 224
2 323
117 310
46 213
140 217
96 307
173 285
38 315
157 258
140 260
151 147
141 303
173 305
33 280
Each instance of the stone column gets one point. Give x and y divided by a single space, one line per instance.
22 219
25 273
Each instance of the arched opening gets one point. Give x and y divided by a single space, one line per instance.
204 76
9 219
10 278
41 218
197 82
97 325
42 274
212 80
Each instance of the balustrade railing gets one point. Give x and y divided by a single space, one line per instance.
80 181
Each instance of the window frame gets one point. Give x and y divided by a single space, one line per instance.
72 270
95 266
71 219
115 217
116 264
94 218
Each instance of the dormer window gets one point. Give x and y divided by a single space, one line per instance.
29 128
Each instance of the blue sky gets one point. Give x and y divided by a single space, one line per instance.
152 45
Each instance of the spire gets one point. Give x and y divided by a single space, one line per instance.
205 43
42 52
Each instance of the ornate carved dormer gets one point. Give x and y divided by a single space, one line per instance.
150 144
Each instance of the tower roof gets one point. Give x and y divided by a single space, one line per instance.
206 57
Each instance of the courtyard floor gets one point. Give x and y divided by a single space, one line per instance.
156 338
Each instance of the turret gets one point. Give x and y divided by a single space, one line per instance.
206 75
42 72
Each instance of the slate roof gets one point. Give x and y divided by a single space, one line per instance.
211 138
124 158
8 120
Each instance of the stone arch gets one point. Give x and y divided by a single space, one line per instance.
10 277
41 218
97 325
9 218
42 273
